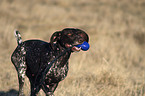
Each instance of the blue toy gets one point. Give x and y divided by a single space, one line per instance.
85 46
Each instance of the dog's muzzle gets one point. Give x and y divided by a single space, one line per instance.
84 46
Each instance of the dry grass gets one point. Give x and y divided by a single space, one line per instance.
115 63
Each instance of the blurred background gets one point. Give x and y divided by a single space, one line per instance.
115 63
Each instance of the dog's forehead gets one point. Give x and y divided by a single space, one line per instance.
73 31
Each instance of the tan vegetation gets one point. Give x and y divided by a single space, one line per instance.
115 63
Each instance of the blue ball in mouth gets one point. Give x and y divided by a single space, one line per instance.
85 46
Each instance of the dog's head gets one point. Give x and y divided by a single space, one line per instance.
69 37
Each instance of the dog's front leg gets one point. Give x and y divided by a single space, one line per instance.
34 89
49 89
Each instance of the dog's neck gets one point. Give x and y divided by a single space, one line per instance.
58 49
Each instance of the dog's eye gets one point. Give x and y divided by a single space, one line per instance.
69 34
80 40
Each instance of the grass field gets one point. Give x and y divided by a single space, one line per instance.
115 63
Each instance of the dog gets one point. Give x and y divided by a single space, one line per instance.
46 64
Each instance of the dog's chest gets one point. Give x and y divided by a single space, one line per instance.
59 69
57 73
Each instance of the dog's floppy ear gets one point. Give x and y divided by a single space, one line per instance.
55 38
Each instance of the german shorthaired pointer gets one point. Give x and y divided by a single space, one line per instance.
46 64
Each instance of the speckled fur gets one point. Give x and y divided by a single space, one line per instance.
21 67
33 56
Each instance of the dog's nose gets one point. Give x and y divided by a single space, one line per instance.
85 46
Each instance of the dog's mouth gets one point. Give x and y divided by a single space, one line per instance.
74 48
77 47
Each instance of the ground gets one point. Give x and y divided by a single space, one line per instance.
115 62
